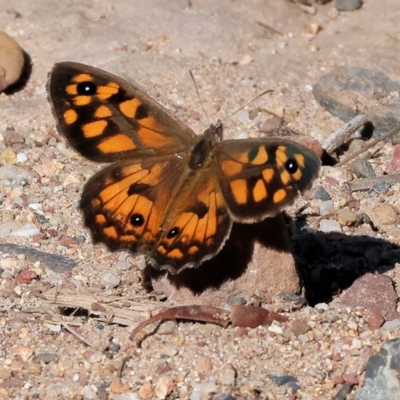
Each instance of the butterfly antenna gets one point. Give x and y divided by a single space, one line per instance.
200 99
248 103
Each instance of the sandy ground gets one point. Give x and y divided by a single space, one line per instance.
235 50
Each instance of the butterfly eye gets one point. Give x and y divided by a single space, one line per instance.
137 220
86 88
172 233
291 165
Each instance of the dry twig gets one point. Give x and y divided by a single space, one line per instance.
68 328
368 183
109 309
392 132
343 134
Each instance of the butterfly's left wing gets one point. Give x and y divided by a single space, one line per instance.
196 227
259 177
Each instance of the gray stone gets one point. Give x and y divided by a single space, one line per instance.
362 169
339 90
322 194
348 5
286 380
382 375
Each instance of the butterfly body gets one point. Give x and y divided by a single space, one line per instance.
168 193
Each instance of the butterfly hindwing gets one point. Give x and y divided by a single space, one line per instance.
196 227
124 204
107 119
259 177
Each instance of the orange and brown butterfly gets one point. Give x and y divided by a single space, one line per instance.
168 193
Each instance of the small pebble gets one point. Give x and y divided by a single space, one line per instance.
27 230
164 387
243 116
123 265
328 225
35 368
25 276
303 338
384 215
118 388
36 206
113 347
66 240
80 239
109 280
347 217
227 375
362 169
203 365
393 324
380 188
41 219
46 358
21 157
25 352
96 356
317 373
322 194
89 393
326 207
236 301
8 263
299 327
321 307
23 181
167 328
348 5
288 380
203 390
146 391
275 329
14 173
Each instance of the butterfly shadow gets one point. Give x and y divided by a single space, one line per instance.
329 263
232 261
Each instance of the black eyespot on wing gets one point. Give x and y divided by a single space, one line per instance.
86 88
137 219
173 232
291 165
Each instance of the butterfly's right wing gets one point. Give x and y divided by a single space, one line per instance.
107 119
125 203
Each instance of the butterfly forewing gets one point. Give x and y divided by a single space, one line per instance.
260 177
108 119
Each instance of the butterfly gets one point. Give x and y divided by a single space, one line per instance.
168 193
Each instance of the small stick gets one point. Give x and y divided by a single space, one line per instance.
392 132
53 132
343 134
268 28
367 183
68 328
122 366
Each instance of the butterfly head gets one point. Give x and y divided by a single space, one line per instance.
214 134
